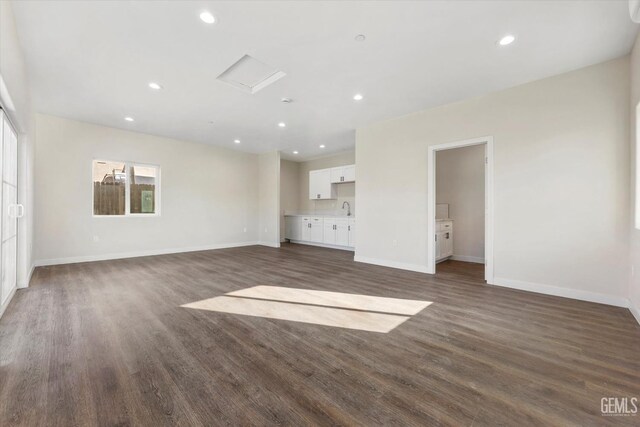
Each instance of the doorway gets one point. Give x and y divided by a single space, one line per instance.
11 210
440 226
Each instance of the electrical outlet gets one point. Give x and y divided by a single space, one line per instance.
395 242
244 230
96 238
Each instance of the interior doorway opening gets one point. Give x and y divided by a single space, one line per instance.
460 208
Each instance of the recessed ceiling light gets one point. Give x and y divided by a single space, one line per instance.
282 124
360 38
321 145
506 40
358 97
295 152
286 100
129 119
237 141
207 17
154 85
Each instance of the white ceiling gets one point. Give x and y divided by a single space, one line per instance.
92 61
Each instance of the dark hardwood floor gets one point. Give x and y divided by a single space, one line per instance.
107 343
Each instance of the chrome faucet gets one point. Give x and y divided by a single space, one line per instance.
348 207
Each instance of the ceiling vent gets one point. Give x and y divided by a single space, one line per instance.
250 75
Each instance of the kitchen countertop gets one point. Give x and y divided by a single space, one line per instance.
323 215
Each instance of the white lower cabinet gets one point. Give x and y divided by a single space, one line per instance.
342 232
311 230
329 231
444 239
334 231
317 232
305 233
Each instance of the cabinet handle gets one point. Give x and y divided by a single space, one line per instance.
348 228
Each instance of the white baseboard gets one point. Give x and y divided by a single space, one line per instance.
323 245
270 244
104 257
25 283
467 258
635 311
562 292
521 285
6 303
392 264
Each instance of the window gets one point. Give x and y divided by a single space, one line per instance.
125 189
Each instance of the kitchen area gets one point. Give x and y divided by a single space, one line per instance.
318 201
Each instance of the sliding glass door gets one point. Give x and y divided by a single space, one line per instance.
11 210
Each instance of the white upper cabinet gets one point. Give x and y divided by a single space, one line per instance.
343 174
321 181
336 175
349 173
320 185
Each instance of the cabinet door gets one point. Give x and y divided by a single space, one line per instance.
447 244
320 186
316 230
352 233
329 235
336 175
439 237
305 230
349 173
342 232
314 185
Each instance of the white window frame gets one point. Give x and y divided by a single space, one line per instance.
127 190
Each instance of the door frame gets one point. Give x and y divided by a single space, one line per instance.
488 197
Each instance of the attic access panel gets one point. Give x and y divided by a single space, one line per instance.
250 75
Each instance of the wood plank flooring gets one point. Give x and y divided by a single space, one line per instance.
107 343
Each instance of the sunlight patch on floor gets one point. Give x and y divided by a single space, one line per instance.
337 309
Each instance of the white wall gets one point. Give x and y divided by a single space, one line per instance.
289 190
269 198
209 195
14 72
345 192
460 183
561 182
634 283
